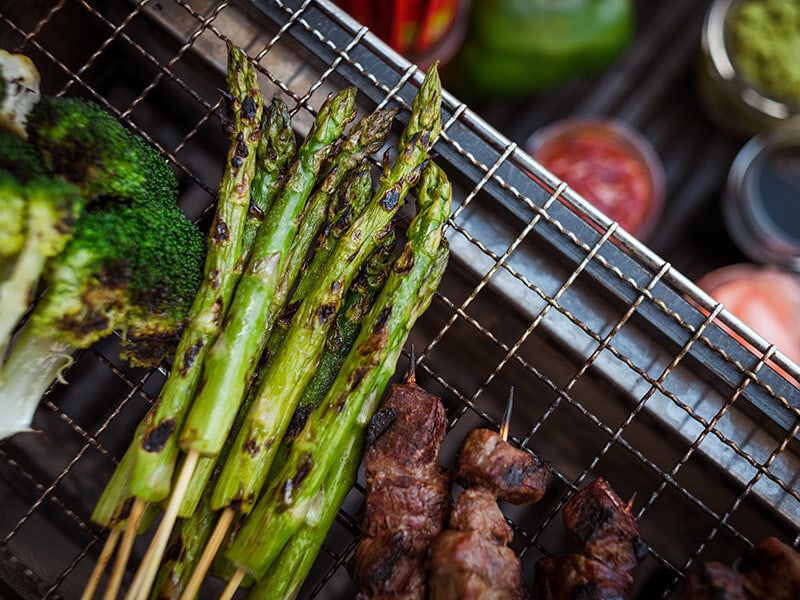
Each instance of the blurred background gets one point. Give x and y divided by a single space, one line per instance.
643 108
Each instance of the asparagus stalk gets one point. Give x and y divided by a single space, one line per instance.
185 545
232 358
286 575
340 338
260 296
251 458
274 152
351 197
156 456
355 393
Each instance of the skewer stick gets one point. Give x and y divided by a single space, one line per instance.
209 552
629 505
121 562
143 581
505 424
411 377
102 561
233 585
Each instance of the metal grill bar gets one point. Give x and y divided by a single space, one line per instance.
603 336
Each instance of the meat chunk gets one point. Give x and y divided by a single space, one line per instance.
604 527
578 577
487 460
713 581
771 569
408 495
470 560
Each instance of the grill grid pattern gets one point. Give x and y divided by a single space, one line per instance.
597 288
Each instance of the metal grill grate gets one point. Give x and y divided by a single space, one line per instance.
623 368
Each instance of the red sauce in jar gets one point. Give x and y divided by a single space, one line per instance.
606 169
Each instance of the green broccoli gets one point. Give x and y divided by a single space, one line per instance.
18 164
78 139
51 206
131 269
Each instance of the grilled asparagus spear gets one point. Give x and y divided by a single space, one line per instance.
266 421
274 153
156 456
287 574
351 197
355 393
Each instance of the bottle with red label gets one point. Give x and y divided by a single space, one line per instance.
420 30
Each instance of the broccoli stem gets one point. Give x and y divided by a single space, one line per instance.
356 392
159 449
266 421
231 360
36 362
48 230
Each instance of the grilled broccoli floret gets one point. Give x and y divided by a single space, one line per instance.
18 163
79 140
19 158
131 269
12 216
50 209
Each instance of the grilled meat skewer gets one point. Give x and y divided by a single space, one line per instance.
713 581
771 569
578 576
408 494
488 461
608 535
604 527
472 560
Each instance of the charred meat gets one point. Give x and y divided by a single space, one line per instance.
608 535
713 581
488 461
471 560
771 569
604 527
408 495
578 577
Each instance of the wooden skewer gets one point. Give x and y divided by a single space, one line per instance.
121 562
146 574
505 424
209 552
102 561
629 505
233 585
411 376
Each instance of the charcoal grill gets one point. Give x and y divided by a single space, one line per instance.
622 367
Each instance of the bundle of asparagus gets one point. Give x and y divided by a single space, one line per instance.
292 338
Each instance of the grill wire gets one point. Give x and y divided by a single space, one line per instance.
623 369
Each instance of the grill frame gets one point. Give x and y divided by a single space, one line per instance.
586 255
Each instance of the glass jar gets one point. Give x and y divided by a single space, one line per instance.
761 206
611 165
765 298
733 102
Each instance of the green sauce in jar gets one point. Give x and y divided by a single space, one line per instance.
766 39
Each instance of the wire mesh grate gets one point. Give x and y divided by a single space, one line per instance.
623 368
